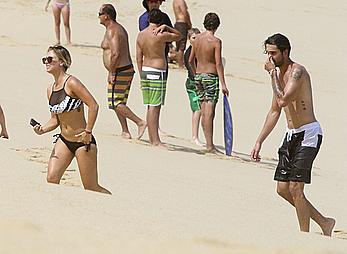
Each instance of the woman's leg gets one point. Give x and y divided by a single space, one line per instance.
66 18
56 14
87 164
60 159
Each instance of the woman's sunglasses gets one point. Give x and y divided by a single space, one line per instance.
47 59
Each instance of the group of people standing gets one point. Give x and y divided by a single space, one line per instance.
290 81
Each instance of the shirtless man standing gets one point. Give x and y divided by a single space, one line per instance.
183 24
292 92
152 63
209 70
117 61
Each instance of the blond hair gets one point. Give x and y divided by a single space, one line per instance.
62 54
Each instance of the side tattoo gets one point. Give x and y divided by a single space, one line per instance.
53 154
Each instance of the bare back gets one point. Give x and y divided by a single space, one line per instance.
181 11
115 47
205 46
153 48
300 110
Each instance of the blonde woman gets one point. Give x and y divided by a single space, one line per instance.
61 8
66 97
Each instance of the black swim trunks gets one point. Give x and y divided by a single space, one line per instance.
182 27
297 153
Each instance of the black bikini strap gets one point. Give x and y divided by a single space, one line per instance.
66 80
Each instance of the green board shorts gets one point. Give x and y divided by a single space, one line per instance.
153 85
207 85
192 95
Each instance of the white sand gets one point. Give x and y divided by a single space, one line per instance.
176 201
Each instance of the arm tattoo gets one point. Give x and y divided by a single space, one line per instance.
297 74
278 91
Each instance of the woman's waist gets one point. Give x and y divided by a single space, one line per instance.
70 130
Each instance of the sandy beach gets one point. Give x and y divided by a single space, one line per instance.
178 200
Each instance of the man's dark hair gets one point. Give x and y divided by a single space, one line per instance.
280 41
109 10
156 16
211 21
144 4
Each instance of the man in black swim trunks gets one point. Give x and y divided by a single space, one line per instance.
292 92
183 24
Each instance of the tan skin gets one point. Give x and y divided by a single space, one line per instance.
150 52
182 15
116 54
57 13
207 49
73 127
3 133
291 91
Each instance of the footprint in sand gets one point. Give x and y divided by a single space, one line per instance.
35 154
340 234
41 155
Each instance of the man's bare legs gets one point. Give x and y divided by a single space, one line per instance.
3 133
196 116
293 192
179 57
208 112
153 113
123 112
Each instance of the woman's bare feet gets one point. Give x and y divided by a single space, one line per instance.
4 134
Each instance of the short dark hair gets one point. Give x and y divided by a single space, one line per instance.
110 11
144 4
211 21
280 41
156 16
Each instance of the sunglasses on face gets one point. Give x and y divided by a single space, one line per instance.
47 59
100 14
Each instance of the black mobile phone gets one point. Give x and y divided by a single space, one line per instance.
33 122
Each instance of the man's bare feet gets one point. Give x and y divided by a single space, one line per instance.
328 226
197 142
141 129
160 145
126 135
